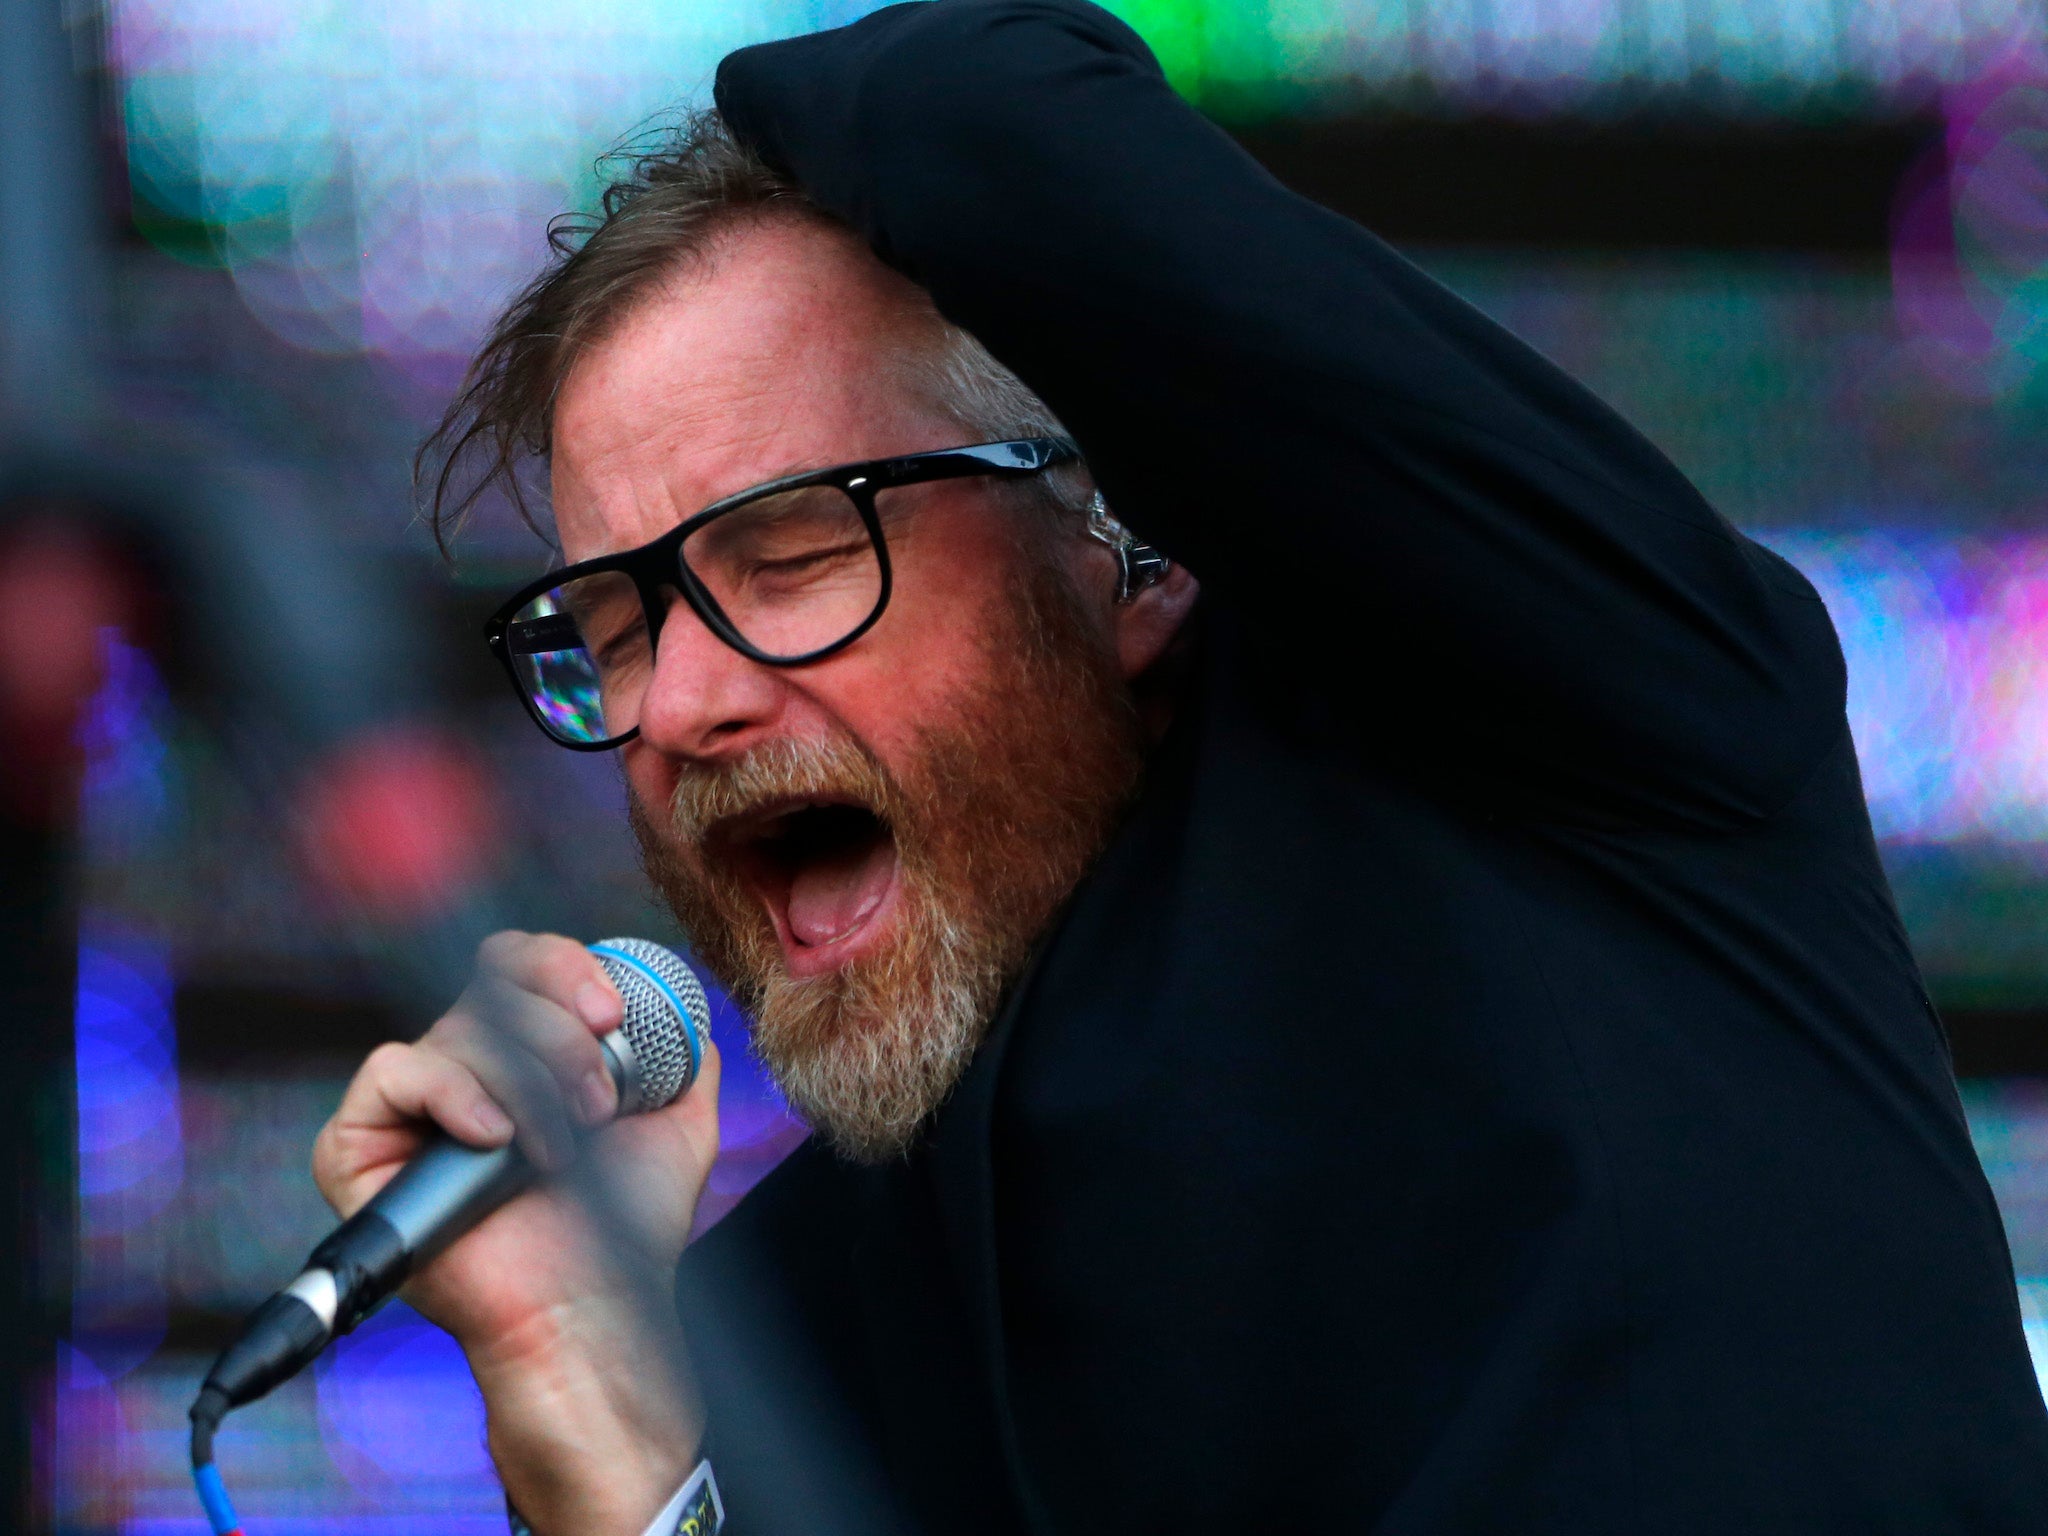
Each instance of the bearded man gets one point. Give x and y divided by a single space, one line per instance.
1416 1041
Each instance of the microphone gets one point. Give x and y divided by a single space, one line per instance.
448 1188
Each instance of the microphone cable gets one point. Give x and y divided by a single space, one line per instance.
207 1412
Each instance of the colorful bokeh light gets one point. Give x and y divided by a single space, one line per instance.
377 177
1947 645
1970 233
1547 53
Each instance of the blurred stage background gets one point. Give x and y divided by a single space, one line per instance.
262 789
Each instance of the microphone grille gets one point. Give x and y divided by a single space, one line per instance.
667 1021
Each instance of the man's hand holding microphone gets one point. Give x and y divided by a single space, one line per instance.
560 1297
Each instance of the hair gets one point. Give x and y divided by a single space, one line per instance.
660 214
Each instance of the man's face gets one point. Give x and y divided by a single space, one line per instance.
865 847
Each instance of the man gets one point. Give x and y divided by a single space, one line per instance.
1417 1040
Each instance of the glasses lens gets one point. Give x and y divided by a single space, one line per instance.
792 573
580 651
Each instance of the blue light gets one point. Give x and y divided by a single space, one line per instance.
130 1144
398 1408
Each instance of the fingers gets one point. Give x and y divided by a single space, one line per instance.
686 1130
550 996
691 1122
411 1084
651 1169
534 1059
558 969
385 1114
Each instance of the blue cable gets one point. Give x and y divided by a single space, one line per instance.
213 1497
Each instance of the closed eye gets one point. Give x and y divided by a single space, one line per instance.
622 647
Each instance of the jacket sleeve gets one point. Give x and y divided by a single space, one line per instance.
1439 545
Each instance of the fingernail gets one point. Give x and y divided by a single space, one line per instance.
597 1097
492 1121
595 1006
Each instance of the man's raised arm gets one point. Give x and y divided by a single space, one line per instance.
1411 513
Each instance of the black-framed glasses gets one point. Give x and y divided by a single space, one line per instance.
785 573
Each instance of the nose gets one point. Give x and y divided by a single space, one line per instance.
705 699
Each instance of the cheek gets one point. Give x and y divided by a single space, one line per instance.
650 779
931 644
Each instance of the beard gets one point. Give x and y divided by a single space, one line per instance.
997 813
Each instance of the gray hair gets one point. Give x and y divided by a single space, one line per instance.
660 213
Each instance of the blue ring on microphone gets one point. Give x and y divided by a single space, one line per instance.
689 1019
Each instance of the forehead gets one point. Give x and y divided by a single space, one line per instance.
780 352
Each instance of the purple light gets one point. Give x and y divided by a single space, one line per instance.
1970 233
1947 646
128 1128
398 1407
130 1146
756 1129
90 1443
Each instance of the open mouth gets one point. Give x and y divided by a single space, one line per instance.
825 871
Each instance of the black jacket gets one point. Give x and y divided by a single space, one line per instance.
1485 1087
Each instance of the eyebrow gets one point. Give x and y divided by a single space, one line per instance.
794 467
790 467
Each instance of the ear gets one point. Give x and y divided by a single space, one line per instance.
1146 625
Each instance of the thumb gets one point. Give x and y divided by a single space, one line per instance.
654 1166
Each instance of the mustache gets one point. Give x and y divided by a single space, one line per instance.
827 768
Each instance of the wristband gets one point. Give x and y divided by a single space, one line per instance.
696 1510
